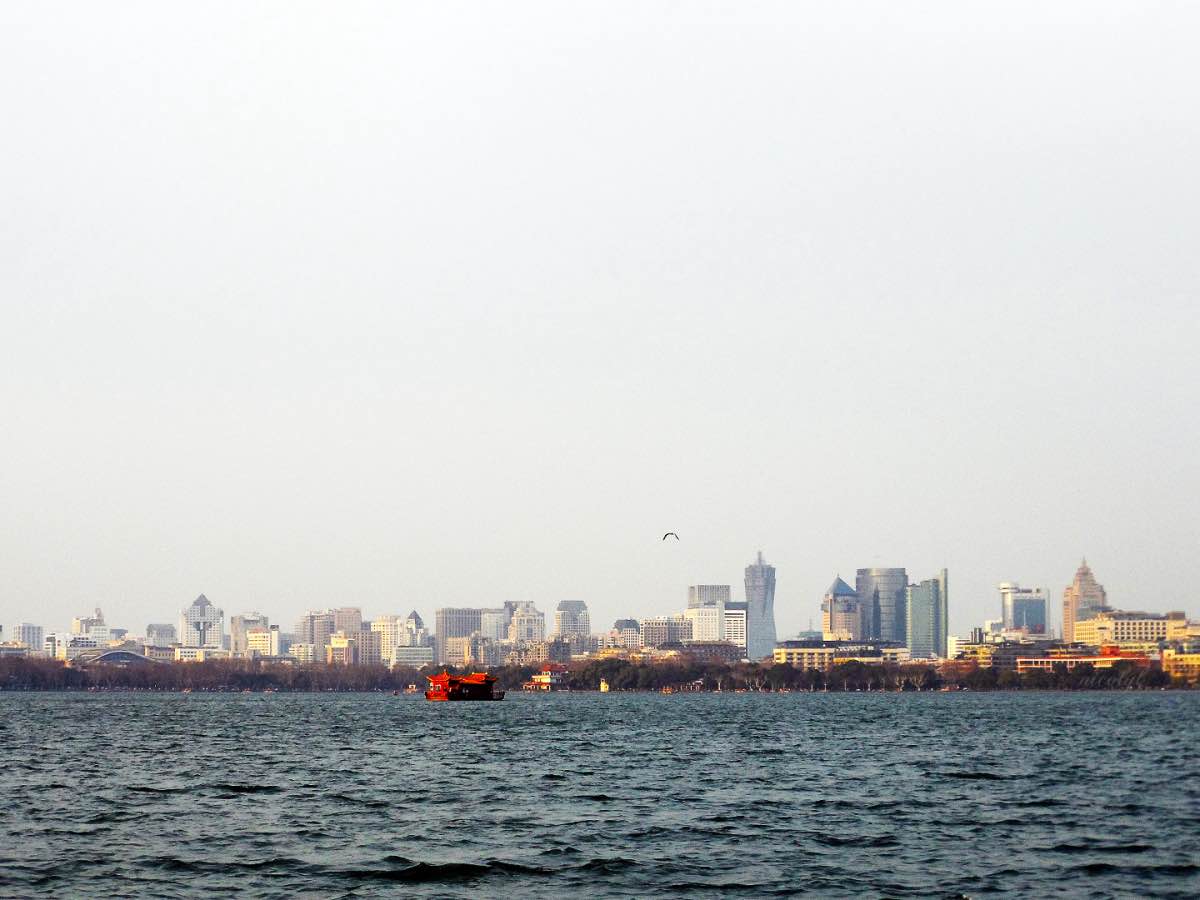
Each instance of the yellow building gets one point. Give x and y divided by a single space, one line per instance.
1182 663
1121 629
980 654
806 657
199 654
342 650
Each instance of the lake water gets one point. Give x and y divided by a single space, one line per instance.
600 795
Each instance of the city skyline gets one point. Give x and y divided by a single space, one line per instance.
809 613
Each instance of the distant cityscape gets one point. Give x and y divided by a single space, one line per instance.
884 618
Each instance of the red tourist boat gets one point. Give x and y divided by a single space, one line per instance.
476 686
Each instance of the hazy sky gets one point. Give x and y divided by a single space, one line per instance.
412 305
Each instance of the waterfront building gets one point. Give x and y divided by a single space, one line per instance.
735 623
454 622
1023 608
881 593
1179 628
239 626
202 624
841 613
528 623
161 634
823 655
262 640
572 621
1118 628
927 612
1103 660
708 622
760 608
32 636
708 595
720 651
660 630
416 656
552 677
1082 599
1182 662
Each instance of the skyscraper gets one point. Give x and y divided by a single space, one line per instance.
453 622
29 635
572 620
708 595
735 623
1023 608
760 611
841 613
926 612
1082 599
202 624
314 628
881 593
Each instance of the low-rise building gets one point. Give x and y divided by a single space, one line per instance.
1182 662
305 652
551 678
1117 628
416 657
823 655
200 654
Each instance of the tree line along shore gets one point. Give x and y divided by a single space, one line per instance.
683 674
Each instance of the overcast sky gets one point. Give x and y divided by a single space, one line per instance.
401 305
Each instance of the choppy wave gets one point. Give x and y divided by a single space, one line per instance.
600 795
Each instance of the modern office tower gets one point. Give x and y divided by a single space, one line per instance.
262 640
31 636
626 633
239 625
841 613
708 622
493 623
202 624
572 621
708 595
760 612
1082 599
735 623
454 622
391 633
415 634
347 619
528 623
1023 608
881 595
661 630
926 609
315 627
85 624
411 656
160 634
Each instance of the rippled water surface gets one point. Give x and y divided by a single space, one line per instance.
600 795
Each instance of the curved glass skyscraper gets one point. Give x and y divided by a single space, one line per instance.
760 609
882 595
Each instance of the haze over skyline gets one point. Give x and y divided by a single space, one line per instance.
400 307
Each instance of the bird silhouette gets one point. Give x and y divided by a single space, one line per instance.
670 534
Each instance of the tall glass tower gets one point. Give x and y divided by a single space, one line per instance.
882 595
760 609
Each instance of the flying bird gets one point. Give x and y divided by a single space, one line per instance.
670 534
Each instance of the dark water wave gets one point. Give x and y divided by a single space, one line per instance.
619 795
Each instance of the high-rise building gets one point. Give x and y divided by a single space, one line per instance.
342 649
314 628
239 626
760 611
161 634
454 622
735 623
626 633
391 634
85 624
881 595
1023 608
841 613
708 595
708 622
493 623
31 636
347 619
202 625
528 623
370 646
1082 599
661 630
262 640
926 611
572 621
